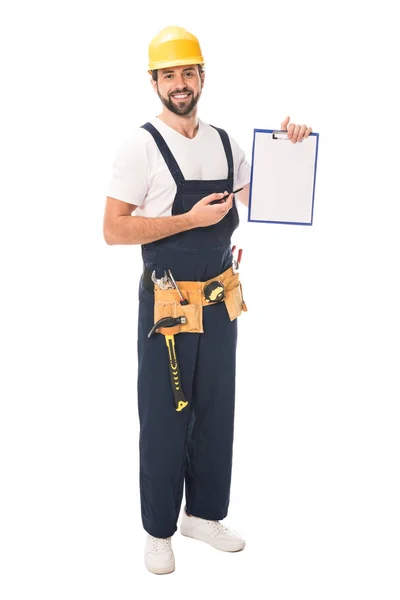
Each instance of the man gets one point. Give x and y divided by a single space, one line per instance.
176 174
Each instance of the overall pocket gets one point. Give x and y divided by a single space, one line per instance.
218 234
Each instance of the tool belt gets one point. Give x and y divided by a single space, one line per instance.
183 313
166 302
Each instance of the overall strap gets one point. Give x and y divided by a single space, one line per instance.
165 152
169 157
228 150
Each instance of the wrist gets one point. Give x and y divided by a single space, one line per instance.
187 220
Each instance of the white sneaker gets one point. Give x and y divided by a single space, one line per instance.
158 555
212 532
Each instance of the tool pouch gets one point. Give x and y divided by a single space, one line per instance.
234 300
166 304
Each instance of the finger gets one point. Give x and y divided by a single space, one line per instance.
229 203
284 123
307 133
302 133
213 197
290 130
295 133
226 197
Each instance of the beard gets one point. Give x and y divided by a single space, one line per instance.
180 107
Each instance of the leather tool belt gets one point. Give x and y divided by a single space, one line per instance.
198 295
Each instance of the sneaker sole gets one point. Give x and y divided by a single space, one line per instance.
229 548
162 571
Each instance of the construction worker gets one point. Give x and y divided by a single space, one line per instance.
171 192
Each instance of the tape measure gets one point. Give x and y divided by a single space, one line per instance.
214 291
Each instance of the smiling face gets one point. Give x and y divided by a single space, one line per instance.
179 88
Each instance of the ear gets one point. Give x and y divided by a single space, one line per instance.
153 83
202 78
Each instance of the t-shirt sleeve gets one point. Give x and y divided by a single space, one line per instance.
241 166
129 180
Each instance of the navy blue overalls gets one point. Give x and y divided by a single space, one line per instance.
195 445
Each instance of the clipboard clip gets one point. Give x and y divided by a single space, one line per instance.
280 135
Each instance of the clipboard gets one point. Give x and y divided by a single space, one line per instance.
282 181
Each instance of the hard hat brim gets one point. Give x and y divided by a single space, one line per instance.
179 62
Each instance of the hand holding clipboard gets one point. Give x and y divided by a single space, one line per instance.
295 133
282 184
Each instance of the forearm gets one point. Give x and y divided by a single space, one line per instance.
143 230
244 195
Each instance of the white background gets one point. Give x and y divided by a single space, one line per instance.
315 487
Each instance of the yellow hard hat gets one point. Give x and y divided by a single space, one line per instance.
174 47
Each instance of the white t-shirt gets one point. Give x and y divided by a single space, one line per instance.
141 176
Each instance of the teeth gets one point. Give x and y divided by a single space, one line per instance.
180 96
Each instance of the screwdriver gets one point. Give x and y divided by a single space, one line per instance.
183 300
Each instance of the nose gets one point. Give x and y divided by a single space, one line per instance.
180 81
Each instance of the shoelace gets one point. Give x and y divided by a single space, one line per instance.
161 544
219 527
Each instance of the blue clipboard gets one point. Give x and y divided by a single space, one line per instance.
283 176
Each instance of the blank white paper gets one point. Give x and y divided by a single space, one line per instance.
282 179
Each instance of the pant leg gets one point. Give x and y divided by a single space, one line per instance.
211 428
163 430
